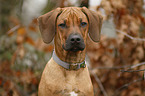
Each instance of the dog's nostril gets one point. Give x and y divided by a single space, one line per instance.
72 39
78 39
75 39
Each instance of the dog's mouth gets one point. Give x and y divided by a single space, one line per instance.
74 48
74 43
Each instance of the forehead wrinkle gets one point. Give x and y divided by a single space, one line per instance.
78 13
65 13
71 12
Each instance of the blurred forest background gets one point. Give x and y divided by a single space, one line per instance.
116 64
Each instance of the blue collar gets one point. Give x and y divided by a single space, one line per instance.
74 66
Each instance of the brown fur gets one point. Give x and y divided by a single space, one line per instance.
55 80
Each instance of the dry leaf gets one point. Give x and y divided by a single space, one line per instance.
20 39
140 52
21 31
30 41
49 48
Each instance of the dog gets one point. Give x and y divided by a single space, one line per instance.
66 73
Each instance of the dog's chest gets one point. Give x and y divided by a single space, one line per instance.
71 84
61 82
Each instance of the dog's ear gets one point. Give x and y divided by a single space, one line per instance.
95 23
47 24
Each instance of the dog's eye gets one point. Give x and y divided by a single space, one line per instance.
83 24
62 25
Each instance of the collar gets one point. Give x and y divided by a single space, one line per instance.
74 66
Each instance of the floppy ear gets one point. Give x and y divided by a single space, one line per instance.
47 24
95 23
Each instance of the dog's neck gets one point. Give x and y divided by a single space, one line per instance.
70 57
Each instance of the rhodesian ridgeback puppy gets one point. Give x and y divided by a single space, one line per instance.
66 74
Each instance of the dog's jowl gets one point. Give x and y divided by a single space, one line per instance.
66 74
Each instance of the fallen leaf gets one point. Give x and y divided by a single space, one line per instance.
30 41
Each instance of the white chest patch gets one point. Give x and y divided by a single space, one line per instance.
73 93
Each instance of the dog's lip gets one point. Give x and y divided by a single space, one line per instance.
74 48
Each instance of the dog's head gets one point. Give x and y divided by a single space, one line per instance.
70 26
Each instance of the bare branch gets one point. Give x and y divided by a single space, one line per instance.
121 67
99 83
13 29
144 75
125 86
136 65
115 67
133 66
132 70
133 38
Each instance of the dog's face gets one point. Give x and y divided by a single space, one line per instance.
70 27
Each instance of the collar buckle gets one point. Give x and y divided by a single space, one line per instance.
68 66
73 66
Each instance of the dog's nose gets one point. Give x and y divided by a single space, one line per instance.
74 42
75 39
